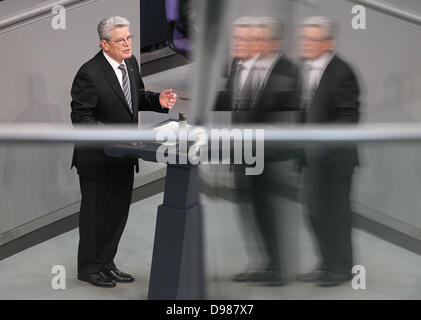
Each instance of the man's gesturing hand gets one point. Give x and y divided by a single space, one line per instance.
167 98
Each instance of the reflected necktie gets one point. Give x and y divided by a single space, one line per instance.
308 88
236 96
126 86
258 73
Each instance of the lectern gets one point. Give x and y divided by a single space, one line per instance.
177 270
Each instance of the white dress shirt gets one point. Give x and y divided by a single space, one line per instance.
248 65
264 68
117 71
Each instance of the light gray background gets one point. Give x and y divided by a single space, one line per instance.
38 65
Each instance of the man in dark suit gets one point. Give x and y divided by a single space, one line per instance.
330 95
268 79
269 88
108 90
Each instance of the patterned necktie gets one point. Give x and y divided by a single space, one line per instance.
308 88
126 85
257 73
236 96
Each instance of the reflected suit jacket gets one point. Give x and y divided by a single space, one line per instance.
279 103
98 99
280 92
335 101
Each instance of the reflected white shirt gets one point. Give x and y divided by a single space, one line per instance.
317 67
248 65
264 67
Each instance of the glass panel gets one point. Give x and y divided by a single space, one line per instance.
302 220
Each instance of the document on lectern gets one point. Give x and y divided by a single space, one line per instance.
173 127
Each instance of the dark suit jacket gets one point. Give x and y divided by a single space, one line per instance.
281 93
279 103
336 101
97 99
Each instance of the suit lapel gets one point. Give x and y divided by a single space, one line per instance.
112 80
317 107
232 74
324 80
272 72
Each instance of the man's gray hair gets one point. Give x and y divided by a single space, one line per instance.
274 25
323 22
106 25
245 21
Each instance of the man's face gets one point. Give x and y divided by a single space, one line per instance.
242 43
264 43
314 43
260 43
119 46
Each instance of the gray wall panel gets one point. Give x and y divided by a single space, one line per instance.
38 66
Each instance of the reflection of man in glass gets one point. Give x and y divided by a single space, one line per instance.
262 82
244 54
274 76
330 95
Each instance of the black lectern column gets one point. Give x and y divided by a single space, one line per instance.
177 262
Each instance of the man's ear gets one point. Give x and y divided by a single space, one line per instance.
104 45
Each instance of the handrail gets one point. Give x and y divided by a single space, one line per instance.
36 12
390 10
53 133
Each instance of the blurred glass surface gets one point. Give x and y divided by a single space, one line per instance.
387 198
385 185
